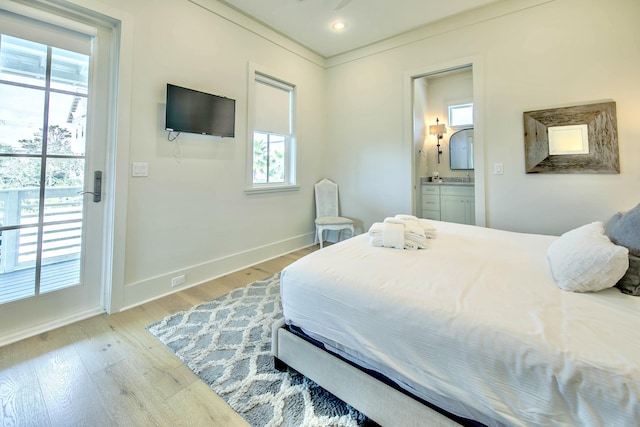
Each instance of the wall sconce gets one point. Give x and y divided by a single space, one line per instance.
438 130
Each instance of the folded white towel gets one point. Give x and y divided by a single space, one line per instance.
392 234
404 216
412 221
393 220
375 234
414 238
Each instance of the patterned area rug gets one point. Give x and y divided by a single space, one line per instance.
227 343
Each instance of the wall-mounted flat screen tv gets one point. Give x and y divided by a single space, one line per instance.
193 111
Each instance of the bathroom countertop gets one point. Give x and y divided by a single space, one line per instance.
455 184
445 181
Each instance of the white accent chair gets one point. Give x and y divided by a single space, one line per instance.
327 211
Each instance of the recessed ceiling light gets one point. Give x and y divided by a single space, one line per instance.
338 26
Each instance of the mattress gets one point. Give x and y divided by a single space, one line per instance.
475 325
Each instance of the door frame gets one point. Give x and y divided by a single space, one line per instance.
116 182
477 69
115 178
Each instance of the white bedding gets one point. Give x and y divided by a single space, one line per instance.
476 325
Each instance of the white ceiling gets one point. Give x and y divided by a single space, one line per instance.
367 21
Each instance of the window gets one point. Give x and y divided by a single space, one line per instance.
268 158
461 115
273 158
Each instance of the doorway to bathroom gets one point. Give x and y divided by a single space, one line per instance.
447 142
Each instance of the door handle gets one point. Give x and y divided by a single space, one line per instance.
97 186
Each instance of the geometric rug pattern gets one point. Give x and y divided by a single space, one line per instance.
227 343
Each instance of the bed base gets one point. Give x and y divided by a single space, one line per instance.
379 401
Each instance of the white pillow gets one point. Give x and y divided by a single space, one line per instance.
585 260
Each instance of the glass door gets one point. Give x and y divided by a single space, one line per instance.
53 127
42 173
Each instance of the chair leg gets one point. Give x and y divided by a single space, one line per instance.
320 236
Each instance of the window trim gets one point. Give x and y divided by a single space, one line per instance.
271 188
258 73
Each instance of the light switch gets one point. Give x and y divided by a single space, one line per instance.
498 169
139 169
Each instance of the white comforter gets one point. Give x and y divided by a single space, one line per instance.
476 325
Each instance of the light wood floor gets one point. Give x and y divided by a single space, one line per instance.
109 371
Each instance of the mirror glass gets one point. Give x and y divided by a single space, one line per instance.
461 150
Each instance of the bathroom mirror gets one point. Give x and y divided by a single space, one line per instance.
461 150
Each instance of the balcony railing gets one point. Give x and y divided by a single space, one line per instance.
61 239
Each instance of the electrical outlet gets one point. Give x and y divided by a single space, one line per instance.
139 169
178 280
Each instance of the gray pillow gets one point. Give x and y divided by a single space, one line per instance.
625 231
630 282
609 225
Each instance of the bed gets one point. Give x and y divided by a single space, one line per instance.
472 329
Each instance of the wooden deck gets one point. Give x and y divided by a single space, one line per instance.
19 284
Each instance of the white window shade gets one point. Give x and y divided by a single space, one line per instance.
41 27
272 106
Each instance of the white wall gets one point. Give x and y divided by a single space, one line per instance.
556 53
191 215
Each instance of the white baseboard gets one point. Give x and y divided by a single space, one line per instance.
48 326
156 287
148 290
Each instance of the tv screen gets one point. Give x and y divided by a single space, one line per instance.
193 111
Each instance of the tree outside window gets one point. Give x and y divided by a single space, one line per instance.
268 158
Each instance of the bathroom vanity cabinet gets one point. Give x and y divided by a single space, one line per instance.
449 202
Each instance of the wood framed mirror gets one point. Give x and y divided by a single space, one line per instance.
579 139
